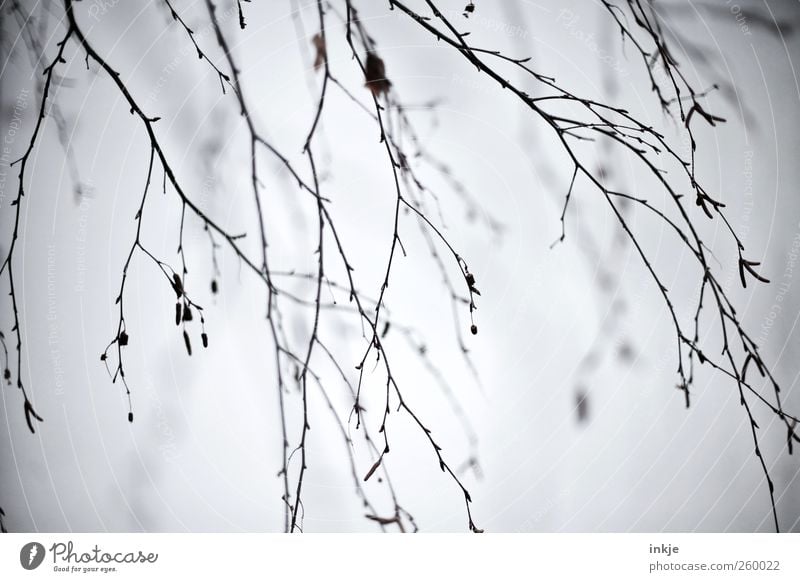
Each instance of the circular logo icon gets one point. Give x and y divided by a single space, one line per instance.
31 555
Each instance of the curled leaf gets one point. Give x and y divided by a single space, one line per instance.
375 72
321 51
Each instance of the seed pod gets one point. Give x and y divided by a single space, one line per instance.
214 287
187 313
123 338
474 329
187 342
178 313
204 337
130 417
177 285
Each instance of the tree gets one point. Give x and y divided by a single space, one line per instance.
309 366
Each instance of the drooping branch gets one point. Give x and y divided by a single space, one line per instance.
572 119
643 143
8 263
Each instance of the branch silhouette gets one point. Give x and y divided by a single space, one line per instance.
572 120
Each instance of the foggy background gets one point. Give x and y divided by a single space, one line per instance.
203 452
